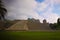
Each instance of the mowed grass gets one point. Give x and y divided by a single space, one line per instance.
30 35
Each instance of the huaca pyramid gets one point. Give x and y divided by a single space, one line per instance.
30 24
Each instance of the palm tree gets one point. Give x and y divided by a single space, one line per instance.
3 11
58 21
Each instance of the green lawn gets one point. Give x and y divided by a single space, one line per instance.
30 35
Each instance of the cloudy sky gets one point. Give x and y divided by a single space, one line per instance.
38 9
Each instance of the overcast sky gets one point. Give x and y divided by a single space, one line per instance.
38 9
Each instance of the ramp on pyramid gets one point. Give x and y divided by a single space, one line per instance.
20 25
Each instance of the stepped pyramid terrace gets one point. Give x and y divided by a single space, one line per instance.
30 24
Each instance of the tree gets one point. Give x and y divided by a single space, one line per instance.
3 11
58 21
53 26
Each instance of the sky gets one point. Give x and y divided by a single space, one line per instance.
38 9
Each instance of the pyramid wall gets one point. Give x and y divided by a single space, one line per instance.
38 26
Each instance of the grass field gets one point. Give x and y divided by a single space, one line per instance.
30 35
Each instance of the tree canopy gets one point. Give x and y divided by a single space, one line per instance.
3 11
